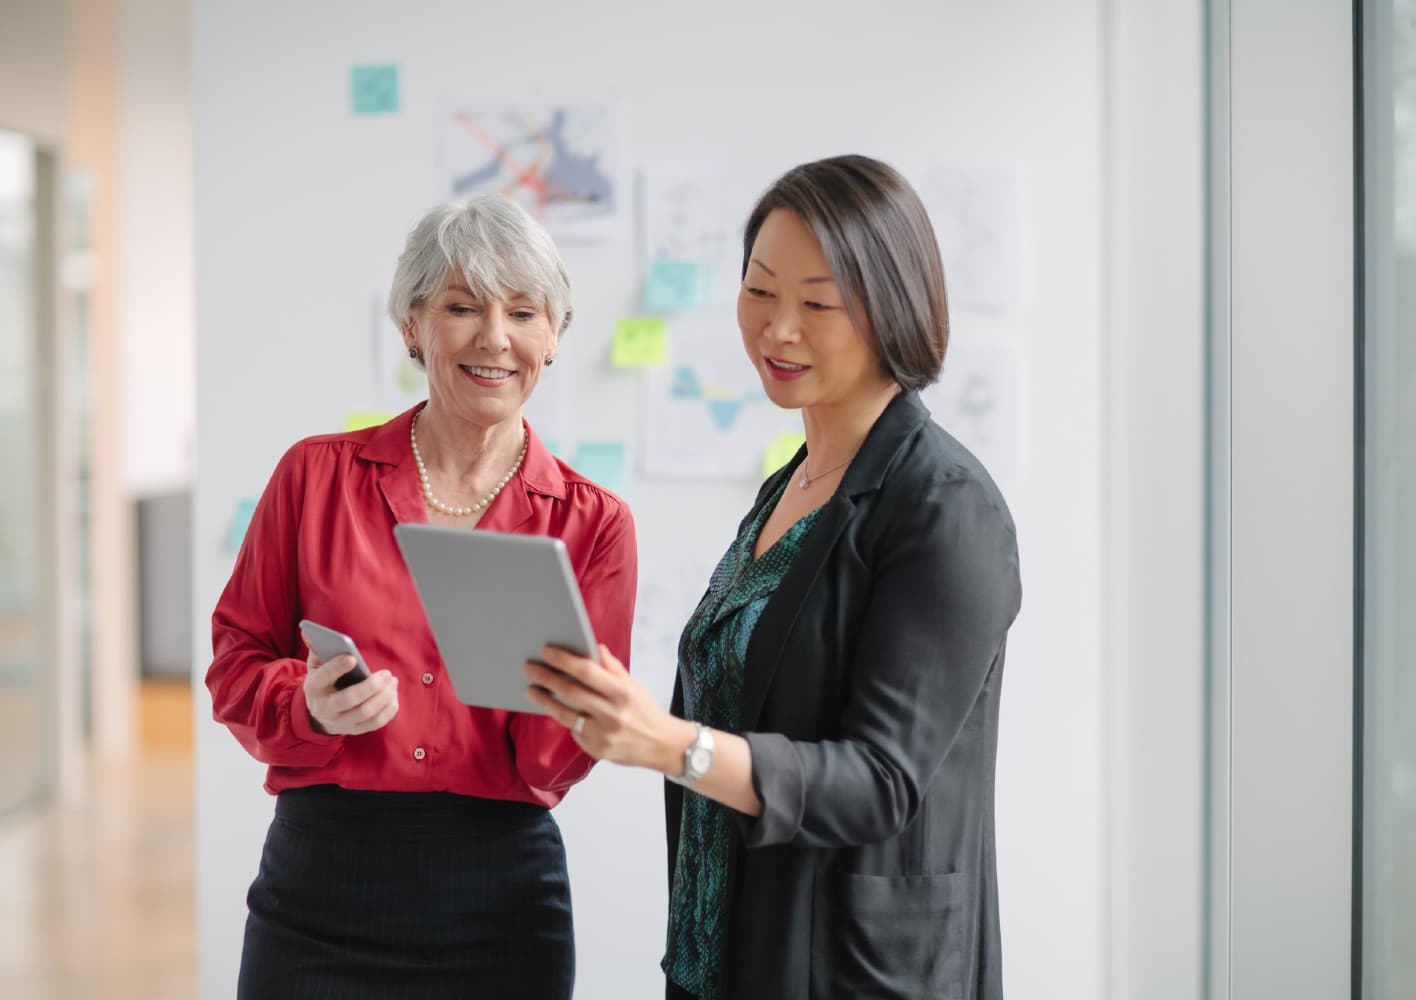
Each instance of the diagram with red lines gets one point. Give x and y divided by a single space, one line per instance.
556 162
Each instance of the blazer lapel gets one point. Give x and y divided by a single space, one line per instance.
764 649
895 427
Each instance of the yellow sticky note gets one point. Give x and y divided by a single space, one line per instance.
781 451
358 421
640 342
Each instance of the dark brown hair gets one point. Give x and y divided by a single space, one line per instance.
876 236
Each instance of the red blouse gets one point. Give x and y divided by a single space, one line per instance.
320 546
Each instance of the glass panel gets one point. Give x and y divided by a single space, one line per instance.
20 587
1389 579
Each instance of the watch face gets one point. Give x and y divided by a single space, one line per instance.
700 760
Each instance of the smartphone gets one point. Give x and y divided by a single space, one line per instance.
327 644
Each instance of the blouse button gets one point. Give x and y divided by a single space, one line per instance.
419 753
427 678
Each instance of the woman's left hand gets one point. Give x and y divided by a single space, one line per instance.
622 721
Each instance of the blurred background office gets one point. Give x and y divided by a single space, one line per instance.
1180 240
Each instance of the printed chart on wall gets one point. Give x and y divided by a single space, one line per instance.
692 233
558 162
670 586
978 400
978 217
706 415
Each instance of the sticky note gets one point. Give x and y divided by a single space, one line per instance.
673 286
780 451
365 418
374 90
640 342
240 521
602 462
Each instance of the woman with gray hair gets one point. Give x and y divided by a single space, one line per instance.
412 851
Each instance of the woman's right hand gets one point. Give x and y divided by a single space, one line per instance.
360 708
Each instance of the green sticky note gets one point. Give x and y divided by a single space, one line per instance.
781 451
640 342
374 90
359 420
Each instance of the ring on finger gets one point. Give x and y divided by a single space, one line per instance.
579 726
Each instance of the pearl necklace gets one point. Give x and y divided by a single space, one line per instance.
437 504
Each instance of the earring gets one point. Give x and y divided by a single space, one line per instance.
550 360
415 354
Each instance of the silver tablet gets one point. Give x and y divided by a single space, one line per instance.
493 600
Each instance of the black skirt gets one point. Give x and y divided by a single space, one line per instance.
408 895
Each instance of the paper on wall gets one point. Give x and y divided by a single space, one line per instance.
558 161
979 400
693 216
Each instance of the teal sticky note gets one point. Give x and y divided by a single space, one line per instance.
602 462
374 90
240 521
673 286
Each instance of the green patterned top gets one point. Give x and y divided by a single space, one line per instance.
711 656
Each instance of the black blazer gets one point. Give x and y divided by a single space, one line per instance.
871 705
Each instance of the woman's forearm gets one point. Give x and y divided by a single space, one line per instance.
728 781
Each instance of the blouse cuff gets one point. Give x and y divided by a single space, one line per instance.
302 725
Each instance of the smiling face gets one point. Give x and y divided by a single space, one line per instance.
484 355
795 324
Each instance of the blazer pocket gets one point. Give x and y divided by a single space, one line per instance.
888 937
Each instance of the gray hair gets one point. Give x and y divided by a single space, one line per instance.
495 244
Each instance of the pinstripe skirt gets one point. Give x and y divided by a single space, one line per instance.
395 895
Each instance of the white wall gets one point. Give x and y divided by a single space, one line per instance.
302 207
1289 677
1155 622
156 312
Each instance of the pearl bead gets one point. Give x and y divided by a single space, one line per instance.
437 504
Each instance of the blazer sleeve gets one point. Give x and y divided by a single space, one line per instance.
257 687
547 756
944 592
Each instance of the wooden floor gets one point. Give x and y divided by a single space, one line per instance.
98 899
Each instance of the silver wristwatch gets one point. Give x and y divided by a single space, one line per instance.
697 759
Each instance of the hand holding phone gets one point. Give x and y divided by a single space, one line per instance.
327 644
354 702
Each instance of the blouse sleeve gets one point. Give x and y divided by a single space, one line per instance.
945 591
257 687
547 756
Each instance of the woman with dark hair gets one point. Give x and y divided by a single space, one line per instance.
835 718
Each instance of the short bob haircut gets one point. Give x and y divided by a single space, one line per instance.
876 236
496 246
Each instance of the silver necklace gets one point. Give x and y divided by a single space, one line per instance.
808 480
437 504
